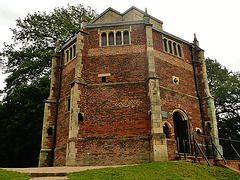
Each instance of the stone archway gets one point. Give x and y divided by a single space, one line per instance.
181 130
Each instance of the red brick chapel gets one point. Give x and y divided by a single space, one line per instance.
125 91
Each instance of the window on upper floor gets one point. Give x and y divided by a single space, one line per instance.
118 38
104 39
115 37
70 53
111 38
126 37
172 47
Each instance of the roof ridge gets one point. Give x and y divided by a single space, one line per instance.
122 14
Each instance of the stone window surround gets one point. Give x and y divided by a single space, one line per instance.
100 32
67 104
70 53
169 46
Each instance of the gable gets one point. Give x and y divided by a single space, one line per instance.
132 15
108 17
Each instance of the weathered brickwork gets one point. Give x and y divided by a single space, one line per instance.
123 103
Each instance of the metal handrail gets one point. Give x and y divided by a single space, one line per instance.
195 143
218 151
234 148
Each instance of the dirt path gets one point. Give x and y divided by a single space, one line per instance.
51 173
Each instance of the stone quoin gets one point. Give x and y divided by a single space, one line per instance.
123 91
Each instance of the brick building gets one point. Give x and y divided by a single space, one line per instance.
125 91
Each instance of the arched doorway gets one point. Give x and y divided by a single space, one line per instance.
181 131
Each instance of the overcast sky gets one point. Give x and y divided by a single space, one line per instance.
216 22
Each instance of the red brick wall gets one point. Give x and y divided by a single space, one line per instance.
182 96
115 116
116 123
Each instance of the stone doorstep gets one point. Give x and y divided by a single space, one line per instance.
51 178
47 174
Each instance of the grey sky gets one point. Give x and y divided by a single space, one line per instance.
216 22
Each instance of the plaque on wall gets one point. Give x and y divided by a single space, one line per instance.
164 114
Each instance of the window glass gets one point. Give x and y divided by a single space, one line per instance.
104 39
179 50
67 58
118 38
170 46
111 38
74 50
126 37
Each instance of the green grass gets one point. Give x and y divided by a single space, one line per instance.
12 175
162 170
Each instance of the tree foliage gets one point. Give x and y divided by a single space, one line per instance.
34 38
225 87
28 61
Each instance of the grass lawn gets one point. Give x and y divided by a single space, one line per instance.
12 175
162 170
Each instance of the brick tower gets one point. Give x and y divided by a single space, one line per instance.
123 91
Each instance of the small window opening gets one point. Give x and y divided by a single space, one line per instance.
166 131
170 46
111 38
175 49
165 45
119 38
74 51
104 39
104 79
179 50
80 117
126 37
70 53
67 52
68 104
49 131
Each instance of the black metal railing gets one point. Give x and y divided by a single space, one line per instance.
209 147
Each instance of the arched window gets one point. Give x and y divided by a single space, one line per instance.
175 49
179 50
49 131
104 39
126 37
74 50
165 45
170 46
118 38
167 128
111 38
67 58
70 53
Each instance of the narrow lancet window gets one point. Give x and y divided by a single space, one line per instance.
67 58
170 46
118 38
126 37
180 50
165 45
74 51
70 53
111 38
104 39
175 49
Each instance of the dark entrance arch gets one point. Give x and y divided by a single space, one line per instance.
181 132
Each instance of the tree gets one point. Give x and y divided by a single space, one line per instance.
28 61
225 87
